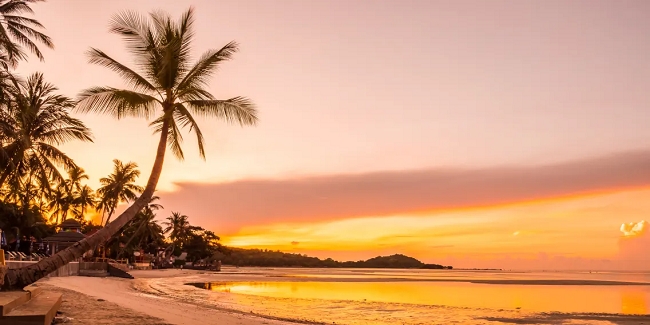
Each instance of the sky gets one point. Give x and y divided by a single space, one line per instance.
507 134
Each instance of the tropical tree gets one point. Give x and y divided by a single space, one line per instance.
144 229
118 187
18 32
60 203
32 126
178 227
76 174
84 199
201 244
168 87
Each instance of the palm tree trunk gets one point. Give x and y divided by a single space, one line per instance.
110 214
17 279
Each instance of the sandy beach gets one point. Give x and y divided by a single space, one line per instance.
162 297
91 300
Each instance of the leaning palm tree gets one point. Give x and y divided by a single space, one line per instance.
34 123
168 87
17 32
118 187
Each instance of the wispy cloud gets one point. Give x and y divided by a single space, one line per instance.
228 206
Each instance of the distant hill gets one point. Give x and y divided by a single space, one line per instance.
260 257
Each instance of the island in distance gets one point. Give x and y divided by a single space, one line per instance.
260 257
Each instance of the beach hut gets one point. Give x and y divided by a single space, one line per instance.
69 233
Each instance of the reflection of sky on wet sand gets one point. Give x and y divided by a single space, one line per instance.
535 298
634 302
371 298
460 274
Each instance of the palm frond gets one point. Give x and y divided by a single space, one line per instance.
135 80
116 102
54 156
198 76
186 120
134 29
236 109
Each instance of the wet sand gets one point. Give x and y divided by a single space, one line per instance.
138 301
122 304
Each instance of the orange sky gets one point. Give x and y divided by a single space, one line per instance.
416 127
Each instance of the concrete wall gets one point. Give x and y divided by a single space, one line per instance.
66 270
93 266
142 266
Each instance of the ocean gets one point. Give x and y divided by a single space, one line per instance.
410 297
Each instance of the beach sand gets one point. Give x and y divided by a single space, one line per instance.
146 301
79 308
121 304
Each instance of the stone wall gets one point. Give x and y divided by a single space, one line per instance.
66 270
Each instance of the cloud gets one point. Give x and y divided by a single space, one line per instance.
295 243
226 207
634 228
634 246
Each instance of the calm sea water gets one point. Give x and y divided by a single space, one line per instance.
370 296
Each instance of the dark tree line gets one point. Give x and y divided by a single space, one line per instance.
260 257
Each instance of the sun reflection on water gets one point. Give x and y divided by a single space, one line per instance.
587 298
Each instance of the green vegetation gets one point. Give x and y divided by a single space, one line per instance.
40 185
259 257
166 87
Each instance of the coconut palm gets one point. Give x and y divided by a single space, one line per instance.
60 203
34 123
167 87
178 227
76 174
84 199
118 187
18 32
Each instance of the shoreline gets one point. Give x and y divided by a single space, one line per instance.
158 297
563 282
120 295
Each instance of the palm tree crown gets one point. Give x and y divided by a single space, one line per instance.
17 32
177 226
32 124
119 187
167 88
167 80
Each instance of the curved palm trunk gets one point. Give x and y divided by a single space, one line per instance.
108 219
16 279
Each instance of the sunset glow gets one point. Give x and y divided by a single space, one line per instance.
483 145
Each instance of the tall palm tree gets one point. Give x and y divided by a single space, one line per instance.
178 227
60 203
33 125
119 187
17 32
84 199
168 87
76 174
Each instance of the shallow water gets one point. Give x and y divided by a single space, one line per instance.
353 296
